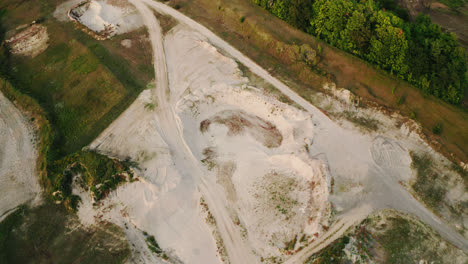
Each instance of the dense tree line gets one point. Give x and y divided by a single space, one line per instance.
380 32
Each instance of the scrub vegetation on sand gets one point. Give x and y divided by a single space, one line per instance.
97 174
49 234
154 246
390 237
441 187
427 184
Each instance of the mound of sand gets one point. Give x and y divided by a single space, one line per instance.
107 19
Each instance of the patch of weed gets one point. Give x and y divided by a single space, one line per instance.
364 122
427 184
154 246
462 172
84 64
401 100
58 53
388 237
150 106
437 129
333 254
405 241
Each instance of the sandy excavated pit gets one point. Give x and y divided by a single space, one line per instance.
107 17
18 176
30 41
252 146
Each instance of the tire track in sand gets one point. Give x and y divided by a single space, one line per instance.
170 129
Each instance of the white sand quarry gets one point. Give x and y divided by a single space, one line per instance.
251 144
279 191
18 175
206 139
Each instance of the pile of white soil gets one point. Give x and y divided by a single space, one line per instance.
106 19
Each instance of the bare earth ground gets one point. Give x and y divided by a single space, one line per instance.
212 148
18 177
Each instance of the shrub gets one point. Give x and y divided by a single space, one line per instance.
437 129
401 100
150 106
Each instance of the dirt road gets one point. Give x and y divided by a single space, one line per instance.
18 177
170 130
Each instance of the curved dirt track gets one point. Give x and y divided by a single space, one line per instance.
386 193
18 179
170 130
